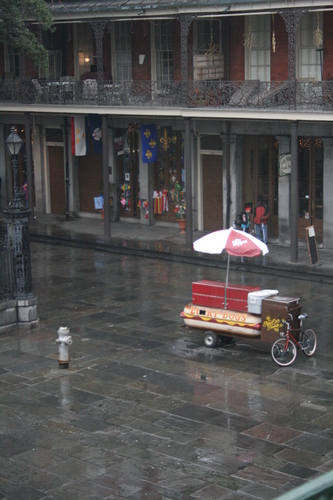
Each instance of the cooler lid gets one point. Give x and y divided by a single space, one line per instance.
286 301
263 293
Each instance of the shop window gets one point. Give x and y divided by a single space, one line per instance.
126 144
169 172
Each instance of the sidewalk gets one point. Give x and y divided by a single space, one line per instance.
165 242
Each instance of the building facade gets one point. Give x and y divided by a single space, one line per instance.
241 96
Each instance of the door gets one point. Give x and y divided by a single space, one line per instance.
57 179
310 172
212 192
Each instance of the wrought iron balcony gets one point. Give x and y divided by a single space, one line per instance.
288 95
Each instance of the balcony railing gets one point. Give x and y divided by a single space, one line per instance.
310 96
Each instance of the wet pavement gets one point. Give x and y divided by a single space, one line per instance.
164 241
145 411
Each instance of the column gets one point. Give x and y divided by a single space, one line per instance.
294 194
188 184
3 196
28 155
284 195
106 183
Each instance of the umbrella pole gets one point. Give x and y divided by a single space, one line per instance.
226 283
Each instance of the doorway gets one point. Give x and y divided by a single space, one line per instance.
260 176
212 192
57 179
310 182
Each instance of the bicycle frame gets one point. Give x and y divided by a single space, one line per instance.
288 330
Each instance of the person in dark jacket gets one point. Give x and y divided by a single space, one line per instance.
260 217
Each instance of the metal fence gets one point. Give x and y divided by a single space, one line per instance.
287 95
7 277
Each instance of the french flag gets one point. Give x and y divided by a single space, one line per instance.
79 135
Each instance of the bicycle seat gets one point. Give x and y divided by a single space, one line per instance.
302 316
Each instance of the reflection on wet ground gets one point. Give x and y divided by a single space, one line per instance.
145 410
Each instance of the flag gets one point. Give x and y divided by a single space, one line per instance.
149 143
165 137
79 137
95 124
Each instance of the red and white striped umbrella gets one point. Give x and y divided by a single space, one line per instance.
234 242
231 240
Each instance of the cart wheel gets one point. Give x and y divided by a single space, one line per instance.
309 342
283 354
210 339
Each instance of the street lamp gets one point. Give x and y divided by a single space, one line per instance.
14 144
17 217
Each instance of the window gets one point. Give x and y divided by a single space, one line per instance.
84 47
258 59
12 61
163 50
54 71
309 62
122 69
207 35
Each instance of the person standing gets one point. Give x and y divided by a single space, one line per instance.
260 217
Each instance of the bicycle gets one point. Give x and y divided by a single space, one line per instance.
284 350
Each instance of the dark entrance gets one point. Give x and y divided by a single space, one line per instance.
310 171
212 192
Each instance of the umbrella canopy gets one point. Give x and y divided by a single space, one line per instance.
234 242
231 240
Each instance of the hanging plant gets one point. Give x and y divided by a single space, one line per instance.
318 35
273 37
250 38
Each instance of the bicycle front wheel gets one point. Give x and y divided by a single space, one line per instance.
283 354
309 342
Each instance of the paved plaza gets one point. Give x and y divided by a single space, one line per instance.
145 411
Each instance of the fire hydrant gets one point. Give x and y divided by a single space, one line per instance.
64 341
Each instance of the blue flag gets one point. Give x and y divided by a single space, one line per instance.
95 124
149 143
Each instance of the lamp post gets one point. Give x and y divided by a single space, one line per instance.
17 217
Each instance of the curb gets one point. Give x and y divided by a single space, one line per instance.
173 252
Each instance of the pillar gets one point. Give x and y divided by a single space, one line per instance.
188 184
106 183
294 194
284 195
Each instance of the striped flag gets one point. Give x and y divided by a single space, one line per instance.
79 138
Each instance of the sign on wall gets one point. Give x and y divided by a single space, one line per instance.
284 164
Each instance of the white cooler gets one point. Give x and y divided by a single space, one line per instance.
254 300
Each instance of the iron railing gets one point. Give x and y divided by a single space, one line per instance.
287 95
7 276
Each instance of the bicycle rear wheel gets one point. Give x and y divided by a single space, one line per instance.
309 342
281 355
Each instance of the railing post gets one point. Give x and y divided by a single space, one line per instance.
185 23
292 19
